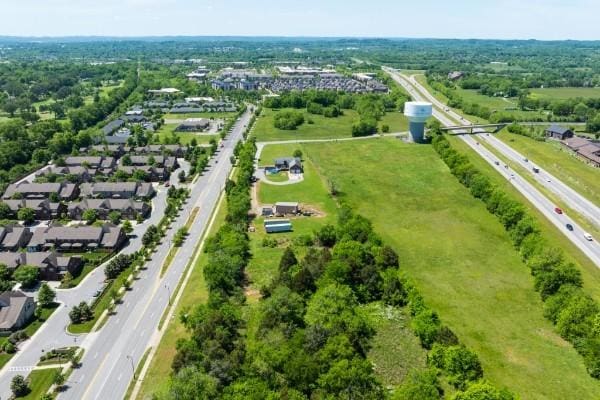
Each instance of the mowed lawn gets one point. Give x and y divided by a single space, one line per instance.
461 259
322 128
560 162
565 93
166 134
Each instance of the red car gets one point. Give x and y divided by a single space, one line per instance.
558 210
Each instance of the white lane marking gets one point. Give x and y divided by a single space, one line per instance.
120 376
95 355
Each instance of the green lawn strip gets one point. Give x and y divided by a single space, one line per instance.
102 302
527 175
589 271
40 381
396 121
194 292
461 260
322 127
173 251
167 134
564 93
138 369
560 162
395 350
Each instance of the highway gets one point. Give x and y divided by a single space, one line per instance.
539 200
114 352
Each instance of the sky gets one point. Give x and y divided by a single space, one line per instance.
499 19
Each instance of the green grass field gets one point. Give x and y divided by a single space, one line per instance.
395 120
322 127
194 293
164 134
565 93
462 261
39 382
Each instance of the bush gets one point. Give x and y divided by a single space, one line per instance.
364 127
18 386
288 120
426 326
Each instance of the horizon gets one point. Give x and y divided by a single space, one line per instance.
428 19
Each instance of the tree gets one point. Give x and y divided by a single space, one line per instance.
54 197
27 275
5 211
150 236
19 386
326 236
385 128
90 216
26 214
115 217
422 385
426 326
364 127
75 315
351 379
127 228
297 153
483 391
67 279
59 379
181 176
46 295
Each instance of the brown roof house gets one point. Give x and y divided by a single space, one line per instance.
26 190
16 309
52 266
44 209
13 238
117 190
107 236
159 161
585 149
128 208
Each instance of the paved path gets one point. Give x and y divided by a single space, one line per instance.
541 202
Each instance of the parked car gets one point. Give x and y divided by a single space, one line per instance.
587 236
558 210
167 184
535 169
569 227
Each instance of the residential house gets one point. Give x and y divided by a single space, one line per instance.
585 149
16 309
26 190
156 160
117 190
113 150
43 208
14 237
455 75
291 164
153 174
193 125
112 126
175 150
286 208
80 238
75 173
128 208
104 164
52 266
558 132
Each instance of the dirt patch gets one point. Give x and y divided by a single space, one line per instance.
553 337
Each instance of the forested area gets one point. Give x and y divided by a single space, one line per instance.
574 313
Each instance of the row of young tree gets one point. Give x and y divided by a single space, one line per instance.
575 314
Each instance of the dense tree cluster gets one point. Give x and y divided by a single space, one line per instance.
558 281
288 120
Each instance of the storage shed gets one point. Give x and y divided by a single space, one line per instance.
286 208
278 225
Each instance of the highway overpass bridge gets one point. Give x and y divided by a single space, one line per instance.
475 128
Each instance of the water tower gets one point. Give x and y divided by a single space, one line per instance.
417 112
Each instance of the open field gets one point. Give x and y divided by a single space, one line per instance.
322 127
444 238
167 132
565 93
560 162
395 120
590 273
209 115
499 104
194 293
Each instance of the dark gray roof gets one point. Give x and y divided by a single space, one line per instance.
112 126
557 129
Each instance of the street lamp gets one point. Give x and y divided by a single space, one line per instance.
169 291
132 367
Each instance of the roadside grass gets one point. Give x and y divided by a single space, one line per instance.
138 369
101 303
322 127
589 272
560 162
194 293
167 134
563 93
462 261
395 350
174 249
40 381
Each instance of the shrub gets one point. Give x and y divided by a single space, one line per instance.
288 120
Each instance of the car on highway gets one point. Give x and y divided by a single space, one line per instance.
569 227
587 236
548 180
526 160
558 210
497 162
535 169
